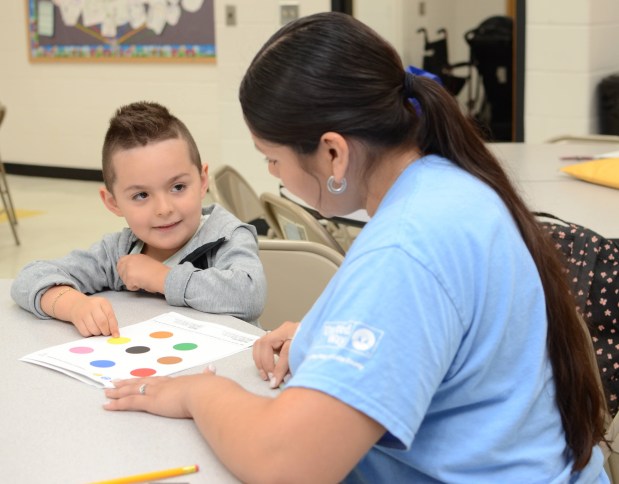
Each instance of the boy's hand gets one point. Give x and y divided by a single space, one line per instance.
94 316
91 315
139 271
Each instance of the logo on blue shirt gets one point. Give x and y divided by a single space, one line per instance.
355 336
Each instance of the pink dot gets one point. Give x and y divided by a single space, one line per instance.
82 350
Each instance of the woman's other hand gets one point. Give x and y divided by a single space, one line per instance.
271 353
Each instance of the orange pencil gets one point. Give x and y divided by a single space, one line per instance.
149 476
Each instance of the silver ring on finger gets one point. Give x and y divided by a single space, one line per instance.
142 389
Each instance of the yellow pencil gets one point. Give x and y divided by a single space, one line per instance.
149 476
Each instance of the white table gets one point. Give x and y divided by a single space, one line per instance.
54 429
543 161
535 170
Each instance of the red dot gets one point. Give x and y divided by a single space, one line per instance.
143 372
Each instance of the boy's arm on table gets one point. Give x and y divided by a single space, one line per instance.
91 315
86 271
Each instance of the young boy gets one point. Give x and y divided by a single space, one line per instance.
204 258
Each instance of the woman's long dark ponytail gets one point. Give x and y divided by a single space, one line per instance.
445 131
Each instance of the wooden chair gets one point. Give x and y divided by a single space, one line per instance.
5 194
297 272
292 222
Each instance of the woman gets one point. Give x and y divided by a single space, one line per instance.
447 347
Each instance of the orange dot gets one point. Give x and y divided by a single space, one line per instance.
161 334
169 360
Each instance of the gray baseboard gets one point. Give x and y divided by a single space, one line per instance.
53 171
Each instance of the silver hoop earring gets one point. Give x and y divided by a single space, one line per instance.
336 190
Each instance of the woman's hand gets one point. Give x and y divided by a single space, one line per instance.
276 342
165 396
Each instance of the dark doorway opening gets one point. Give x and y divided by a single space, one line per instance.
344 6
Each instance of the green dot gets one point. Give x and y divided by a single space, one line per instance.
185 346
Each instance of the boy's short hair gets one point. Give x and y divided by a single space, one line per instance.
138 124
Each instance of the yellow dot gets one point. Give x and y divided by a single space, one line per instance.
118 341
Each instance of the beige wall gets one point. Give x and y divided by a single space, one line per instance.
571 46
58 112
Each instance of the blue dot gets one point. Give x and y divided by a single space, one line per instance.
102 363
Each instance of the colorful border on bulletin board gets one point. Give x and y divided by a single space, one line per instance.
73 34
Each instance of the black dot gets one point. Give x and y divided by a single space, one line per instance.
138 349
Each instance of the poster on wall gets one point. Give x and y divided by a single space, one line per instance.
121 30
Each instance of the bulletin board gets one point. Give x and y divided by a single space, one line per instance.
121 30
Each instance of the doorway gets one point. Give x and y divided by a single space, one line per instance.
399 22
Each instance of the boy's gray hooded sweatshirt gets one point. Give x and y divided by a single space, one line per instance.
219 272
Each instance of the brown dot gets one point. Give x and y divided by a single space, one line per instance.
169 360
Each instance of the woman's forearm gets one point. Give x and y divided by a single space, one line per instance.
302 435
238 426
263 439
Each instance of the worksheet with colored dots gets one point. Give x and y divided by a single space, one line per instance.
160 346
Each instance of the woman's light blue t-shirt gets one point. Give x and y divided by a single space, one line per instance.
435 327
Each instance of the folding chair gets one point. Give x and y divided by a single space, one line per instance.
5 194
291 221
297 272
232 191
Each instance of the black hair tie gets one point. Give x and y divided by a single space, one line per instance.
409 84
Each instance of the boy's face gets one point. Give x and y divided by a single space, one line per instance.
159 191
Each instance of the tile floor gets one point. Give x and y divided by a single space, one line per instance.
73 217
